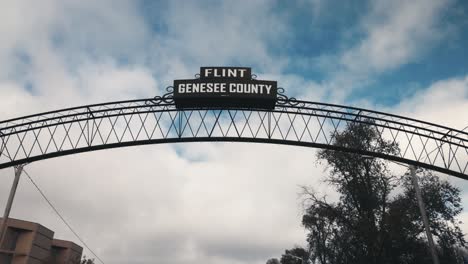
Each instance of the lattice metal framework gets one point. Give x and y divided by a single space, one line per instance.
293 122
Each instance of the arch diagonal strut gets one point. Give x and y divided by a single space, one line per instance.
292 122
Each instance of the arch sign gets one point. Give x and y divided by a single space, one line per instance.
225 87
226 104
223 104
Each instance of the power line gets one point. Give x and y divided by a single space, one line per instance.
61 217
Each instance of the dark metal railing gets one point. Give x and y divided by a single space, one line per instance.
292 122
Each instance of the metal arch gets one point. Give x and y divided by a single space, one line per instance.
292 122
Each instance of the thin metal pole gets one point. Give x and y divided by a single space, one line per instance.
18 171
422 208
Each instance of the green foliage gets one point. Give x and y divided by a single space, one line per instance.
376 218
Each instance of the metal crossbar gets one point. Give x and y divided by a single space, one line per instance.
292 122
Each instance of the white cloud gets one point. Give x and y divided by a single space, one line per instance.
444 102
114 82
240 205
234 32
12 98
67 52
391 35
396 33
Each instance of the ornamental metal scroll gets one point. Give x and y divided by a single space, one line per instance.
167 98
292 122
284 100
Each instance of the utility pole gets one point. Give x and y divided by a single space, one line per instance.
422 208
18 171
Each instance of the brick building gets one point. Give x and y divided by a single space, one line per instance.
31 243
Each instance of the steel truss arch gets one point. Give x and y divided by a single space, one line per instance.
292 122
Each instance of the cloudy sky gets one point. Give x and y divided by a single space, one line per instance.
214 203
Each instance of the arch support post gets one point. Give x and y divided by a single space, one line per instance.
422 209
11 197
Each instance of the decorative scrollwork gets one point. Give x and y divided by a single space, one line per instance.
253 76
284 100
167 98
197 76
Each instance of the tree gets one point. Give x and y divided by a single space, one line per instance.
357 221
443 203
87 260
273 261
376 218
296 255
